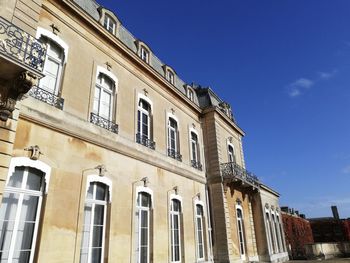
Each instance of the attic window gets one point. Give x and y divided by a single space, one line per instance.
109 24
144 54
190 93
170 76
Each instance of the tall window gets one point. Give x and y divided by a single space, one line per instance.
94 228
52 68
278 237
143 217
231 154
109 24
19 215
200 232
268 231
143 121
144 54
273 235
103 99
281 233
173 136
195 161
240 229
175 230
170 76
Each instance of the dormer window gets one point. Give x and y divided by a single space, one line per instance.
144 54
143 51
170 77
109 21
190 94
169 74
109 24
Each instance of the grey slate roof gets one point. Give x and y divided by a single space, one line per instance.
203 97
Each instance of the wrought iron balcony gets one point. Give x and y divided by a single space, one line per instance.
46 96
196 164
104 123
233 172
174 154
18 45
144 140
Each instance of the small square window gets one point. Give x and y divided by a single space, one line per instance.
109 24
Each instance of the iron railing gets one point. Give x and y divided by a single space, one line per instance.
231 171
103 123
144 140
174 154
19 45
196 164
47 97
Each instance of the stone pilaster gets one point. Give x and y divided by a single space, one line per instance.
10 92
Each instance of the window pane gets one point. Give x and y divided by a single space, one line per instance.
34 180
7 220
144 218
143 255
97 236
100 192
99 212
16 178
145 199
96 255
97 100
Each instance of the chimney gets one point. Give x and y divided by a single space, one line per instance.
335 212
302 216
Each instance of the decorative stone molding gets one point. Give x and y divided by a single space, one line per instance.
13 90
34 152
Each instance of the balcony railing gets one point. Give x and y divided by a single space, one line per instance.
174 154
232 171
103 123
144 140
19 45
46 96
196 164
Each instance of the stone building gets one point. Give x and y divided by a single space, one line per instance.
106 155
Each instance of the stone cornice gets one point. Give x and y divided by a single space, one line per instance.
67 124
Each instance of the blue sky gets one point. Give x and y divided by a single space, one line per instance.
284 67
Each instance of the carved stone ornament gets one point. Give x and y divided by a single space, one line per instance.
267 206
34 152
12 91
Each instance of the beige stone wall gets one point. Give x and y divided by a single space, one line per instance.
72 160
78 84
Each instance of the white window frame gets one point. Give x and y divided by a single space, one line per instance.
268 229
240 221
46 170
93 202
196 151
231 157
172 214
273 232
196 216
102 89
189 93
176 134
146 190
148 113
107 21
170 76
278 232
41 32
144 54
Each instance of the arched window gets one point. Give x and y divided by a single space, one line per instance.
195 159
20 212
240 230
94 228
190 93
268 230
109 24
231 154
173 140
170 76
281 233
144 122
278 234
273 234
200 232
175 230
104 96
143 225
53 67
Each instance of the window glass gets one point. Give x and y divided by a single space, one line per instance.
199 226
143 226
109 24
175 232
103 98
18 232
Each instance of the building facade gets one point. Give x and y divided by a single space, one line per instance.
110 156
